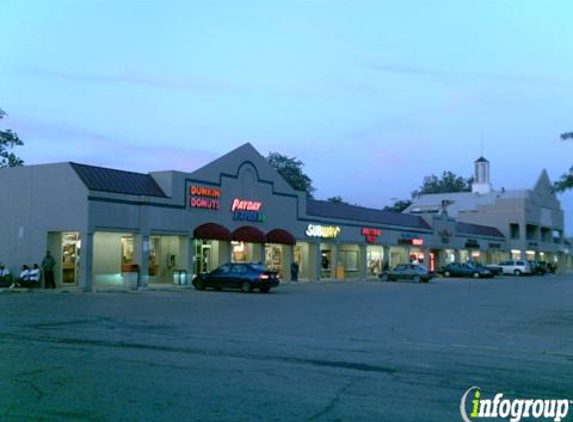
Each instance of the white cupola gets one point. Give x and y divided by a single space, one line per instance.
481 184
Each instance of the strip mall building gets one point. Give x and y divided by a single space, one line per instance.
109 227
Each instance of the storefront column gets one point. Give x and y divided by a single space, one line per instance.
335 260
459 255
287 259
363 262
385 256
315 261
225 252
86 261
141 257
262 256
190 257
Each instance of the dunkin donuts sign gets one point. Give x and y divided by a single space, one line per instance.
204 197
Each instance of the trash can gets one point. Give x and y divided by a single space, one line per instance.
130 275
180 278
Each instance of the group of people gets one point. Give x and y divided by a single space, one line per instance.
31 277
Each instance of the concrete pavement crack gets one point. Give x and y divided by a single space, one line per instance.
334 401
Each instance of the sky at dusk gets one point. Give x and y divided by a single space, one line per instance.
370 95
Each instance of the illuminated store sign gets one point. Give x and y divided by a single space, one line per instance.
371 235
413 242
204 197
326 232
244 210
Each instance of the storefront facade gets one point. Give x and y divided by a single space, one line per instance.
109 228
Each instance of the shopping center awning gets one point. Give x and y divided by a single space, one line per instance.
280 236
249 234
212 231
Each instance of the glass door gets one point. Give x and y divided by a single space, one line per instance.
70 257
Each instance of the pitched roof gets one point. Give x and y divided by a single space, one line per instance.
367 215
117 181
482 160
478 230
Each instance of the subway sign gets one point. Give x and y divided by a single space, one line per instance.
325 232
204 197
246 210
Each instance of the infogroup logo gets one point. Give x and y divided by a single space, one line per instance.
515 410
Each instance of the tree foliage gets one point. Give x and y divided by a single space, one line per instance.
336 200
291 168
448 183
399 206
566 181
9 140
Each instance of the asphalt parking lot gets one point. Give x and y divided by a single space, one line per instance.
353 351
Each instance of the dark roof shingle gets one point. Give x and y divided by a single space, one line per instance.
478 230
367 215
117 181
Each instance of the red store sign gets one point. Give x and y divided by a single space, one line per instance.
371 235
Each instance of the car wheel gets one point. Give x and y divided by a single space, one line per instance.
447 274
517 273
384 277
199 284
417 279
476 275
246 287
265 289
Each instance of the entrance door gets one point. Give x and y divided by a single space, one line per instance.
202 256
70 257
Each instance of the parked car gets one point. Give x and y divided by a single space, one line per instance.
416 272
468 269
495 269
245 277
537 268
549 267
515 266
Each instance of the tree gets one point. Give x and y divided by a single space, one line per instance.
9 140
399 206
566 181
336 200
291 168
448 183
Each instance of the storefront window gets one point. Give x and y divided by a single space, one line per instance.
349 260
374 257
127 249
273 258
154 255
239 251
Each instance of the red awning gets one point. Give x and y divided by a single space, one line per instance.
212 231
281 236
249 234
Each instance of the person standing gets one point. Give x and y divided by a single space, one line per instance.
48 264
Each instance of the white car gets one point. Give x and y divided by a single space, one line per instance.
515 267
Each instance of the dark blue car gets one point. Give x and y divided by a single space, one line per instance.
245 277
465 270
